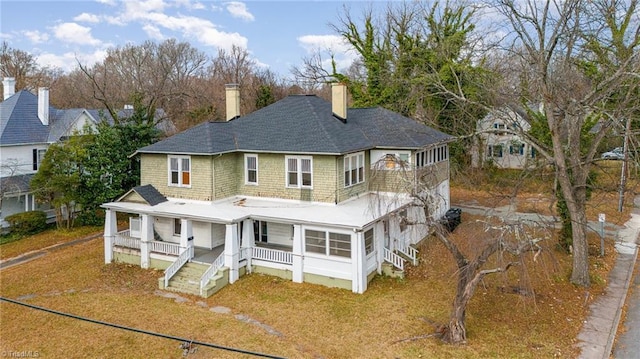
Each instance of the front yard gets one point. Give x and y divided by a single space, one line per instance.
277 317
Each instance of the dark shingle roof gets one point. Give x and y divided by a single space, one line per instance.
302 124
150 194
19 122
15 184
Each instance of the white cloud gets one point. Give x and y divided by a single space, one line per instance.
239 10
153 32
327 46
36 37
86 17
107 2
69 60
331 43
73 33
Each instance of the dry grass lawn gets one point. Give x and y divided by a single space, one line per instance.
313 321
45 239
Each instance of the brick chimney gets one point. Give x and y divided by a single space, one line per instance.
233 101
9 86
339 100
43 105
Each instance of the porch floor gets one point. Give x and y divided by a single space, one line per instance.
206 255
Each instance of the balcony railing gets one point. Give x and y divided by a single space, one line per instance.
272 255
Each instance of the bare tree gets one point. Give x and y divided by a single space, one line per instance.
162 73
581 58
501 245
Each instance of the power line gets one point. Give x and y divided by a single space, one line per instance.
166 336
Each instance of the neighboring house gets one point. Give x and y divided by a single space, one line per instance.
498 140
293 190
28 126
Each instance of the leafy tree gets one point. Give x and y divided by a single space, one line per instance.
416 61
59 178
109 168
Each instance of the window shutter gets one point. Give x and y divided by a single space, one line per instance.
35 159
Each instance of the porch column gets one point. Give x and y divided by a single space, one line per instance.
186 233
146 236
231 251
378 244
298 254
358 263
248 241
110 230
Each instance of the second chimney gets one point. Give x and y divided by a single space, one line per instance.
9 85
233 101
43 105
339 100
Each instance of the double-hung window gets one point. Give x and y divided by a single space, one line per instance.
180 171
353 169
299 171
328 243
251 169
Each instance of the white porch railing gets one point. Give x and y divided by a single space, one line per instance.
394 259
211 271
408 251
164 247
183 258
272 255
123 239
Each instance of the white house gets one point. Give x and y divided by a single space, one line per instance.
500 141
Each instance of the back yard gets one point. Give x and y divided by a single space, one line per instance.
269 315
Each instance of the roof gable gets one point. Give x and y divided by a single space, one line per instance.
143 194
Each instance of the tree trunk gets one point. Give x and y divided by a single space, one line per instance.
455 333
580 270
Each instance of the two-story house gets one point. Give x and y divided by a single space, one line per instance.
304 189
500 139
28 126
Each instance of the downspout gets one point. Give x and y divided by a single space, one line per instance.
335 201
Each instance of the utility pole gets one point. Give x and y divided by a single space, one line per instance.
623 171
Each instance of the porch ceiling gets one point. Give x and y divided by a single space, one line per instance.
355 213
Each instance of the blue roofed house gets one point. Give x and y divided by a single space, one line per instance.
292 190
28 126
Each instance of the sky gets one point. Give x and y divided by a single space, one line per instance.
277 34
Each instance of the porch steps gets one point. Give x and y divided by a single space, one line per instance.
187 279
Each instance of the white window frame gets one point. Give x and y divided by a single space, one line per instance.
349 161
180 171
177 227
369 247
329 250
298 170
247 181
